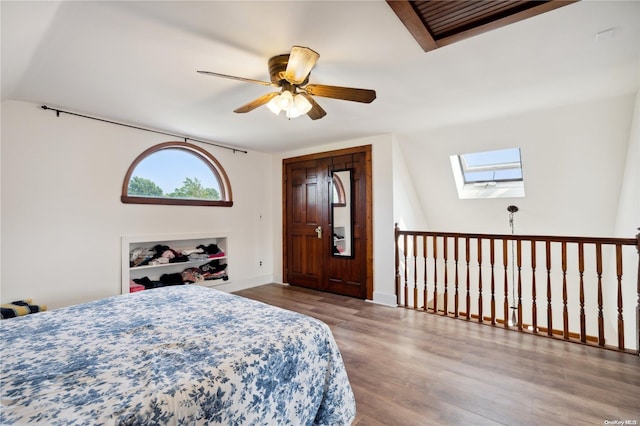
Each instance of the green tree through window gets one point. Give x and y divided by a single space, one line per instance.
144 187
193 188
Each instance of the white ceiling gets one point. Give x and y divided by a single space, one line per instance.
136 62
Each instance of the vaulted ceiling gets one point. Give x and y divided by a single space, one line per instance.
136 62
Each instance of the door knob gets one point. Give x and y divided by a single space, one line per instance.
319 231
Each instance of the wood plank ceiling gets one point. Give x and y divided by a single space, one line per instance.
437 23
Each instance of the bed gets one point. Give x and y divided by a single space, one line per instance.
173 355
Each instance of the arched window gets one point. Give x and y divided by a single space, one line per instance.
176 173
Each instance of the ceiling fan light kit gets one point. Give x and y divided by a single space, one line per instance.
293 106
291 72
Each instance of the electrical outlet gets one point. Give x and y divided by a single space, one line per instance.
260 263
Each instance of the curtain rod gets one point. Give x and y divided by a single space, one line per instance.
58 111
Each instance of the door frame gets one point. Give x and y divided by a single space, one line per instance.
366 149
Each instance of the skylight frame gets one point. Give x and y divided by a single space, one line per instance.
482 175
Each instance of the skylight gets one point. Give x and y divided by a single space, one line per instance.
488 174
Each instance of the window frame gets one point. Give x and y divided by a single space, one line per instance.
204 155
492 188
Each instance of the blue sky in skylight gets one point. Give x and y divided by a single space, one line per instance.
498 165
488 158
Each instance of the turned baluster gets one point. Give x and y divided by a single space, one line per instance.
406 282
534 307
424 288
456 301
445 308
619 274
493 282
468 259
415 271
583 324
435 275
396 232
480 318
565 309
519 262
549 309
600 299
505 262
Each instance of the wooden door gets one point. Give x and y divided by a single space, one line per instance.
347 276
308 260
306 196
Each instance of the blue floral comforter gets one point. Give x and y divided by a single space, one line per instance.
179 355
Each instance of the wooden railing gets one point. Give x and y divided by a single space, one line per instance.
570 288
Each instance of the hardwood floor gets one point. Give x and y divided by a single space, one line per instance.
411 368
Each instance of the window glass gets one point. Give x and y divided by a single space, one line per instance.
488 166
488 174
176 173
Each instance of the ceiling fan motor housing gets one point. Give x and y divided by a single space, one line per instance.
277 68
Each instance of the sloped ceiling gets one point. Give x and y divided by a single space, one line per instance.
136 62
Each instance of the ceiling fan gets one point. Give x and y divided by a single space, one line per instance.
290 72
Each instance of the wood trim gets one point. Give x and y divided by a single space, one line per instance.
412 21
367 150
285 258
519 237
519 16
369 220
174 201
326 154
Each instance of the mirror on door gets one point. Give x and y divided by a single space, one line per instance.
342 213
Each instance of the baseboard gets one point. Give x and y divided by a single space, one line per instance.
386 299
237 285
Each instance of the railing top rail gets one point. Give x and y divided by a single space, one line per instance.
516 237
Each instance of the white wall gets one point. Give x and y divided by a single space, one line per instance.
627 224
383 253
573 161
407 210
62 219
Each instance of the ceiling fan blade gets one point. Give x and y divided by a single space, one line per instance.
345 93
256 102
316 112
233 77
301 62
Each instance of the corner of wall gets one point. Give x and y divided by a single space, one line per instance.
629 204
407 208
